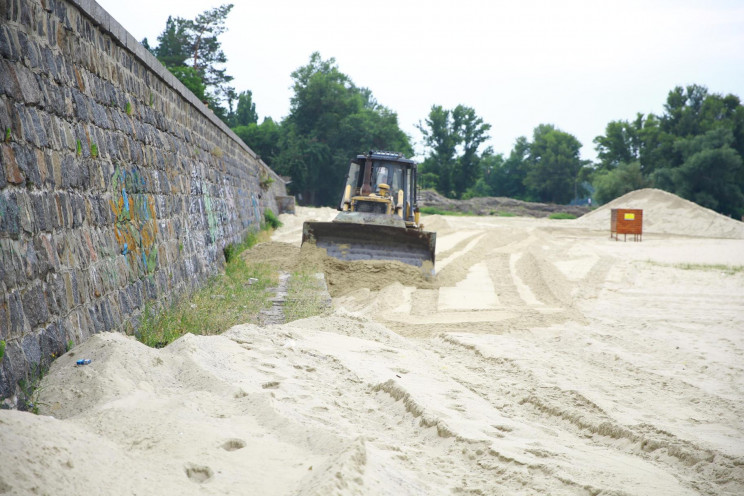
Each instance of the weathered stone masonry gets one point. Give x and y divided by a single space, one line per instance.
116 185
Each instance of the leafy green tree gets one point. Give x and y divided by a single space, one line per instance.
246 111
206 50
712 174
620 144
191 79
554 165
453 138
190 49
492 167
331 120
472 131
264 139
613 183
509 179
440 136
172 49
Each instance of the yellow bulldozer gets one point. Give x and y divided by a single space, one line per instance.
379 214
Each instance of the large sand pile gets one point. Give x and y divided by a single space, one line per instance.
666 213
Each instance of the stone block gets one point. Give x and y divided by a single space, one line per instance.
31 348
6 43
52 342
9 84
12 369
56 290
42 140
81 106
41 213
9 264
16 312
4 315
35 305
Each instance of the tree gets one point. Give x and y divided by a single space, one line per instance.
554 164
331 120
246 111
712 174
453 138
509 179
611 184
440 136
620 144
172 49
190 49
264 139
472 132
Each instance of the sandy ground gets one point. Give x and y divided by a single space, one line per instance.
544 358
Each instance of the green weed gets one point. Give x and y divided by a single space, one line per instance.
78 148
439 211
265 182
723 268
7 134
233 297
304 296
726 269
271 219
561 215
94 150
129 109
31 389
2 351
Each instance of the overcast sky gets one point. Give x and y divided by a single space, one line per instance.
575 64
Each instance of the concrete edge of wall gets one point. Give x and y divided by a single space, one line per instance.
100 17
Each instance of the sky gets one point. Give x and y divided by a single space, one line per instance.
576 64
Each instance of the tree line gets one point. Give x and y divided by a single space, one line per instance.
694 149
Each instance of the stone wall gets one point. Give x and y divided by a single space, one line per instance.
116 185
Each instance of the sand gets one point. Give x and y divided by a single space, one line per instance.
544 358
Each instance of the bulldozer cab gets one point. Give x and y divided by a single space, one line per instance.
383 183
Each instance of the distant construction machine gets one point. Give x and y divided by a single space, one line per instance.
379 218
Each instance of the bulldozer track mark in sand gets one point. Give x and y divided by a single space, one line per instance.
579 415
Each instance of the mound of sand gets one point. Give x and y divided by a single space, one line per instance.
666 213
284 256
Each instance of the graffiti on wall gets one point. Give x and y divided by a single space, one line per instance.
135 225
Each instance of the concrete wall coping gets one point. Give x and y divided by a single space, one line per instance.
106 22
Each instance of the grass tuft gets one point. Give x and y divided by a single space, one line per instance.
233 297
439 211
305 297
723 268
561 215
726 269
271 219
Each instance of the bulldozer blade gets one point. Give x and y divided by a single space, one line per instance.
346 241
